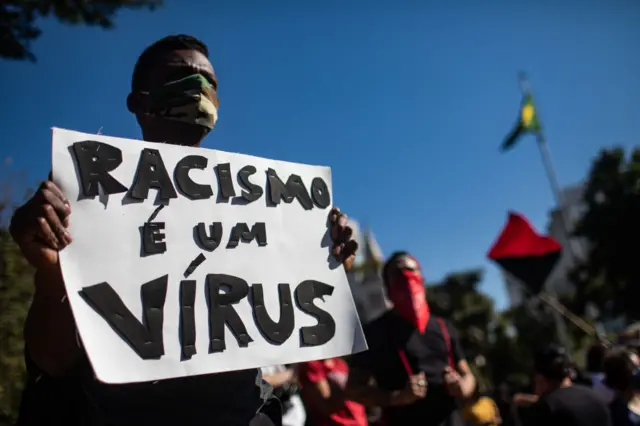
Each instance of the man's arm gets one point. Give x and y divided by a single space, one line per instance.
524 399
467 379
39 227
279 378
466 383
317 390
324 397
49 332
361 388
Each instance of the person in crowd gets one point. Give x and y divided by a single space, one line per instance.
284 382
522 403
561 402
415 359
481 410
174 99
522 399
502 396
594 366
580 376
634 346
322 385
622 376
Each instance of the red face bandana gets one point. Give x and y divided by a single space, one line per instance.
407 292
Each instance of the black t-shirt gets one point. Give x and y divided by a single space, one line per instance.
231 399
621 415
571 406
387 337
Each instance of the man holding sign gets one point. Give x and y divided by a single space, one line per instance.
123 371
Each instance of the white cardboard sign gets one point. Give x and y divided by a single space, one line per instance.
189 261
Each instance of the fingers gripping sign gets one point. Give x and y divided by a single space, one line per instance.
344 247
40 226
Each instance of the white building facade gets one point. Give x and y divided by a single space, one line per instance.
573 249
365 278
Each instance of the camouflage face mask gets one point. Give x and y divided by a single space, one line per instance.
191 100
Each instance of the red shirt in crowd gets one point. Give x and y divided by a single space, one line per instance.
336 372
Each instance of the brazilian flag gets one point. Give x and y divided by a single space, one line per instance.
527 123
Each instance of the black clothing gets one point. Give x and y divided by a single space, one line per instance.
621 415
388 336
233 399
571 406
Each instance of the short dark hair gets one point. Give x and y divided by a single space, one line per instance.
618 368
164 45
595 357
390 263
553 363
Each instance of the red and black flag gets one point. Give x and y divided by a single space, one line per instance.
525 254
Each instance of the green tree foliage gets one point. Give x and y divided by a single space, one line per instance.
610 277
457 299
498 346
18 19
505 360
16 289
534 327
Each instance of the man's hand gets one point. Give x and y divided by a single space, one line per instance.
40 226
415 389
344 248
524 399
453 382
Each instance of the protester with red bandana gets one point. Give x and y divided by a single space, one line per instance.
415 358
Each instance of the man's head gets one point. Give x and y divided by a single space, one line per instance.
619 368
174 91
595 357
404 283
552 369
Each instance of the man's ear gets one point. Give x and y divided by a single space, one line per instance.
135 102
130 102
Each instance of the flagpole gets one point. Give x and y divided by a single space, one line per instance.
546 161
561 325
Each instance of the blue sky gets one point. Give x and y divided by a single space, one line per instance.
407 101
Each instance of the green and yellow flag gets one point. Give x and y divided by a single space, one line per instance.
527 123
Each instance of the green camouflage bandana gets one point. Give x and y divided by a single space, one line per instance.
191 100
